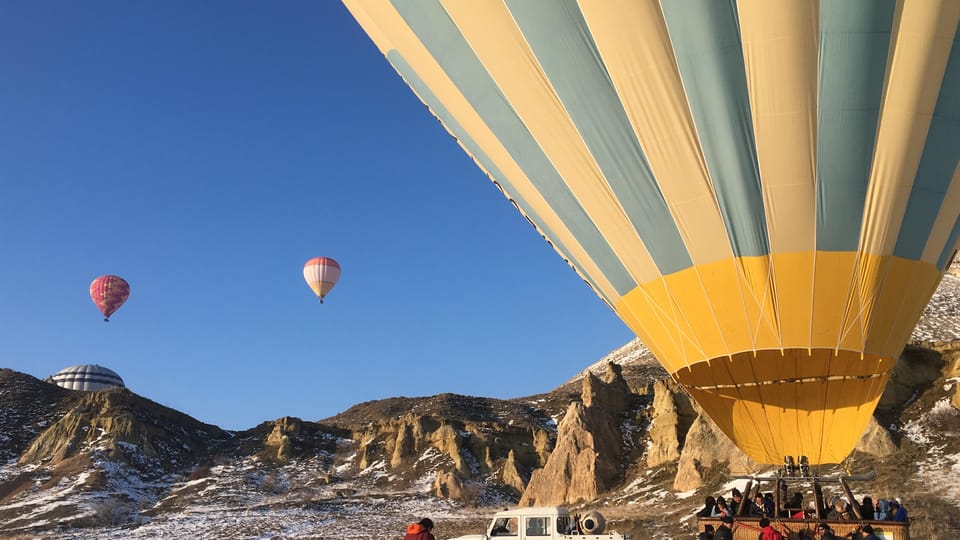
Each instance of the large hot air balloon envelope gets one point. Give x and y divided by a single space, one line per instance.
321 274
87 377
109 293
767 193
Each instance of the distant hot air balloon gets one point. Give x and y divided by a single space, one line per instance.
87 377
767 193
109 293
321 274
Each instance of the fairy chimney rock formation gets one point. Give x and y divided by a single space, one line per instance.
704 446
585 461
278 441
876 440
664 445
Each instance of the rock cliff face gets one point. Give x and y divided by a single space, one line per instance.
114 421
464 439
27 407
876 440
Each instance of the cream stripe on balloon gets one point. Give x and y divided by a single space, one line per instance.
513 66
633 42
780 54
919 49
391 32
946 220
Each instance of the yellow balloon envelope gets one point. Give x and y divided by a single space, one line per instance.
767 193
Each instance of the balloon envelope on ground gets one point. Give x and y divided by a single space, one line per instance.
87 377
767 193
109 293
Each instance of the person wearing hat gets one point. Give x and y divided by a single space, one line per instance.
897 511
723 532
824 532
868 530
420 530
883 510
707 533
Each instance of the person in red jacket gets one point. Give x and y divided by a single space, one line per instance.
420 530
767 532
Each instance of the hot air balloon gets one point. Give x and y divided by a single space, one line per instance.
321 274
767 193
109 293
87 377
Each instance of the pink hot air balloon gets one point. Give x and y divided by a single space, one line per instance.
321 274
109 293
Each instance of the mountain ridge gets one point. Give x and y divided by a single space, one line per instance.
113 464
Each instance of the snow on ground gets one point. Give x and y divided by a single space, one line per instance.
368 518
941 318
933 430
244 500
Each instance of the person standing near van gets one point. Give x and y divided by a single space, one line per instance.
420 530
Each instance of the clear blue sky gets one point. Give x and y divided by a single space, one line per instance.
204 151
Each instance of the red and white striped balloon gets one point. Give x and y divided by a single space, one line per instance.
321 274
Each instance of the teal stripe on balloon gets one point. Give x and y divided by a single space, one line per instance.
438 33
948 249
706 40
441 112
937 164
560 39
854 40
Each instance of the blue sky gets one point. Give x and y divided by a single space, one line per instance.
204 151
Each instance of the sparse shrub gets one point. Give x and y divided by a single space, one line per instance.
945 418
470 494
274 484
200 471
111 513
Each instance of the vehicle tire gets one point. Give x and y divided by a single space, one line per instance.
592 523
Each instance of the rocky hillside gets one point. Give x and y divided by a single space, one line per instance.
621 436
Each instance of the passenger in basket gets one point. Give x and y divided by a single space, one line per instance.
769 505
840 510
867 510
883 510
708 505
723 531
721 508
824 532
868 531
898 511
736 499
767 532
